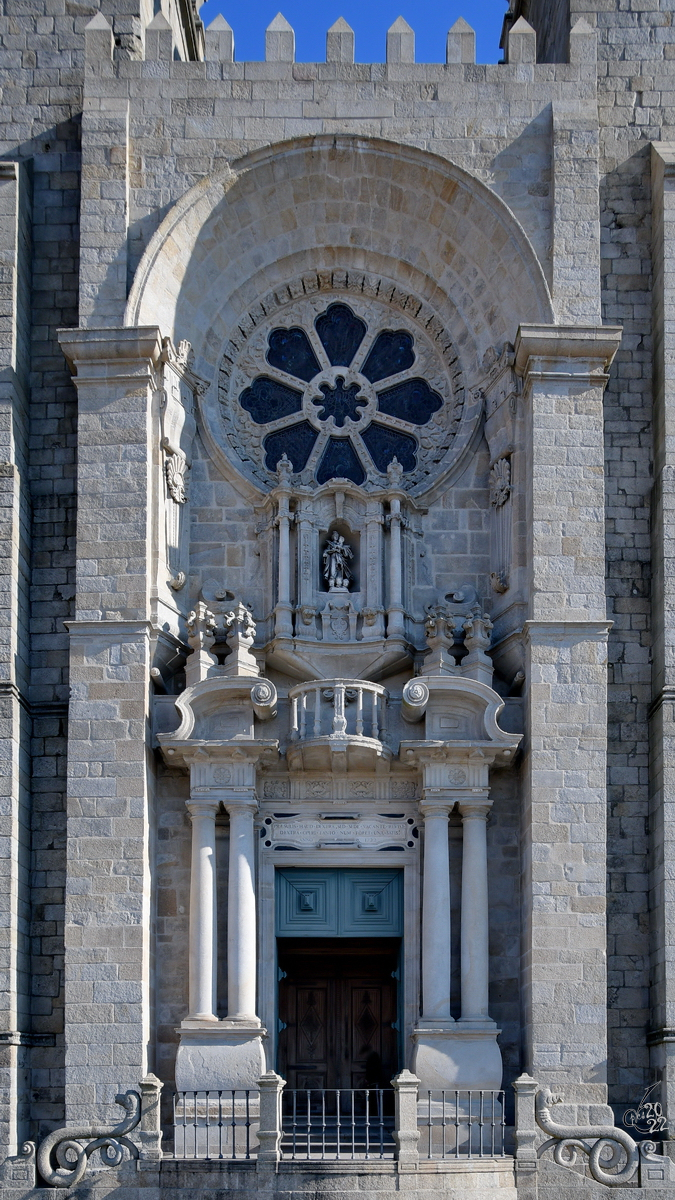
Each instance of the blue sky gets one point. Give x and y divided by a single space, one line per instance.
369 19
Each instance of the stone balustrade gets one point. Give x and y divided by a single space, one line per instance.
331 717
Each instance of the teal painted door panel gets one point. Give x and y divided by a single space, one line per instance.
339 902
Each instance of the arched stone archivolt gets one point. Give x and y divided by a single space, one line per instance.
348 203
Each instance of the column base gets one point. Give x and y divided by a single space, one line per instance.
457 1058
221 1056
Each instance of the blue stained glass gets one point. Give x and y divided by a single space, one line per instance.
339 461
290 350
413 400
341 333
340 402
297 442
391 352
384 444
266 400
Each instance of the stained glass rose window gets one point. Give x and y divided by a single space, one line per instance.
342 387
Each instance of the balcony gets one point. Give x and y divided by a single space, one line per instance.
337 725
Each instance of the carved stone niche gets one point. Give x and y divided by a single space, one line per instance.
338 585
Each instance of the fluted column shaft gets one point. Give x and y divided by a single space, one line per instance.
202 952
436 966
475 934
241 918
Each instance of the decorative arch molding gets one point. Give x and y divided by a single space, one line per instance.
343 214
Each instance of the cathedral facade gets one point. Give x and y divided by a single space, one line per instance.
338 680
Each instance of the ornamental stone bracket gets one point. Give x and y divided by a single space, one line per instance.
461 727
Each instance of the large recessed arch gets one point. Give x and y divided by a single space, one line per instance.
236 241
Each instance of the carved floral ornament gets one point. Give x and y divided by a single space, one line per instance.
344 385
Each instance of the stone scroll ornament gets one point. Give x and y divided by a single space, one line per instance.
607 1146
71 1147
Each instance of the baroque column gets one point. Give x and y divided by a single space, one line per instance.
455 1054
203 921
436 917
241 918
475 953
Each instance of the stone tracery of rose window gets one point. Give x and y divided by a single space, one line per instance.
341 386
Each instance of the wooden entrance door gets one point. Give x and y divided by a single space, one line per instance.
337 1009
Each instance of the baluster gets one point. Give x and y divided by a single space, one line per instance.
323 1125
295 1120
303 714
317 712
359 712
470 1126
380 1105
295 732
353 1126
481 1123
443 1118
375 730
206 1122
309 1125
503 1121
339 721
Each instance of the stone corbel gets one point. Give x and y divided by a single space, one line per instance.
461 717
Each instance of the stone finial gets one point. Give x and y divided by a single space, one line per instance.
219 40
159 39
98 42
522 44
284 470
439 631
461 43
279 41
477 664
240 637
394 473
340 42
583 43
400 42
201 625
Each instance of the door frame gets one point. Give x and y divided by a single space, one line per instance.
409 984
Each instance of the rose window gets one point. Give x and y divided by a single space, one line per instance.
342 387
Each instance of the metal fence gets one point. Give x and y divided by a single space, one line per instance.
344 1123
461 1124
215 1125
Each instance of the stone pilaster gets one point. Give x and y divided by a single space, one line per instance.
15 726
662 723
563 834
110 792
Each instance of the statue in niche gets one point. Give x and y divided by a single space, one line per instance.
336 563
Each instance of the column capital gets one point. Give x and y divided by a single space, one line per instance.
203 806
475 808
437 806
102 356
566 353
241 804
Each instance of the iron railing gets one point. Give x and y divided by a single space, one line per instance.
215 1124
461 1124
342 1123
